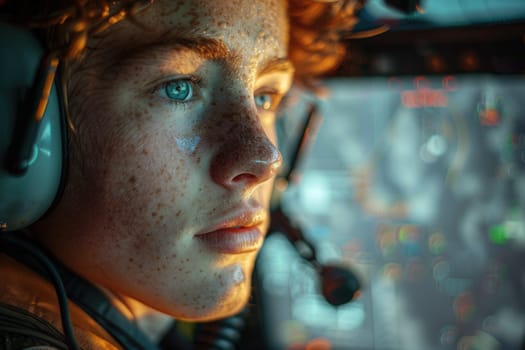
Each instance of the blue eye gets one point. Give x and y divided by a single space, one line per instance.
264 101
179 90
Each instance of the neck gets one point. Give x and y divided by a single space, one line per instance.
152 322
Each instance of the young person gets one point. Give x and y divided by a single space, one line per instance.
171 155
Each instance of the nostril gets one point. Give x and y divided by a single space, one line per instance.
246 164
258 170
246 178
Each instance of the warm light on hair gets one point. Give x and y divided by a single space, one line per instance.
316 26
316 30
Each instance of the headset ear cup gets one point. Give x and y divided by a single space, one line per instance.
25 198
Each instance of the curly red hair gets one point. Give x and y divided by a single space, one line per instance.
316 32
316 26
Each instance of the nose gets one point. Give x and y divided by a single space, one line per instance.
246 155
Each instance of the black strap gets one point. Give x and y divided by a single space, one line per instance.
88 297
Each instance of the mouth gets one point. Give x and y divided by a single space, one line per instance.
238 234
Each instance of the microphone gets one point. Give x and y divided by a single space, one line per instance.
339 285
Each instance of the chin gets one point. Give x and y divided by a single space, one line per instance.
229 305
226 308
210 306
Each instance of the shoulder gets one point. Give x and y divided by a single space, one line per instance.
20 329
28 302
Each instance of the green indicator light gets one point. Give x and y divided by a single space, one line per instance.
497 234
403 234
437 243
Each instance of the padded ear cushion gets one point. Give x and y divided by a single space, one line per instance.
24 199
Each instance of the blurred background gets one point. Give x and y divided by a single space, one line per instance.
415 181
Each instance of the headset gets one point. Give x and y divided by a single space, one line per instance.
32 129
33 135
33 142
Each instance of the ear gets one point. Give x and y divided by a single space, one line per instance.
26 195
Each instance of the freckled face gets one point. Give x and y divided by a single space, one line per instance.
172 162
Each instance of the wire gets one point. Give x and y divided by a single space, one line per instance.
55 279
222 334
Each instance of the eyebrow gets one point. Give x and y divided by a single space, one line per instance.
278 65
206 48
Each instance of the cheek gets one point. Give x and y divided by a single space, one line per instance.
143 175
150 176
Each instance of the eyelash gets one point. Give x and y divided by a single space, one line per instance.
194 83
275 97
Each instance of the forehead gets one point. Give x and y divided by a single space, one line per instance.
254 26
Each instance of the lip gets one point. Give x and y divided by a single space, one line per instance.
236 233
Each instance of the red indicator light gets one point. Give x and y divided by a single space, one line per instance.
489 117
424 98
423 93
421 82
449 83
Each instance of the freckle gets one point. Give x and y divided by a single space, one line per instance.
132 179
158 190
144 151
130 259
178 213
